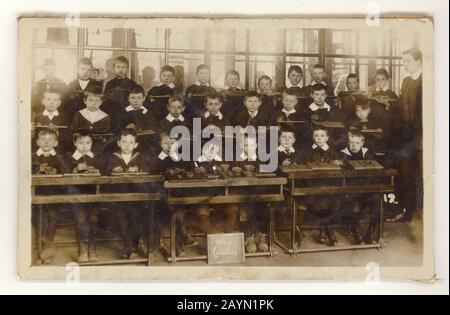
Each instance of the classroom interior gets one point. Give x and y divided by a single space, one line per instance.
252 53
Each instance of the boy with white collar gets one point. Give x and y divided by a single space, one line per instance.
197 92
319 110
175 117
45 161
251 115
318 75
233 94
213 114
158 96
82 161
355 150
92 119
287 154
51 116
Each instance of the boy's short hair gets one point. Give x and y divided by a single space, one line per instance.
168 68
362 101
382 72
320 128
81 134
355 132
318 66
176 98
253 94
128 132
93 90
295 68
415 53
264 77
232 72
318 87
86 61
136 89
121 59
290 91
202 67
52 91
214 96
353 76
287 129
47 131
49 62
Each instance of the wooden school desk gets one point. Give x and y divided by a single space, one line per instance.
378 181
196 192
150 192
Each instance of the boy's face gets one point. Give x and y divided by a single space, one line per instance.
213 105
203 75
295 77
265 85
289 101
381 81
176 109
355 144
319 97
127 144
47 142
252 104
93 102
49 71
51 101
136 100
318 75
120 69
83 145
210 151
361 113
320 137
232 81
287 139
411 65
167 77
166 144
352 85
84 72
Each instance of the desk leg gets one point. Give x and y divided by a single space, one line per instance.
271 228
173 236
39 233
381 221
151 233
294 224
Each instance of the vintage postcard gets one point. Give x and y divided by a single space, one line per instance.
226 148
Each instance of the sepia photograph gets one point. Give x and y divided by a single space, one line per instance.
220 148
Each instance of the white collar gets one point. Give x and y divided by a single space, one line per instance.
314 83
283 149
93 117
130 108
244 157
227 88
51 115
172 119
347 151
385 89
219 115
290 112
83 83
203 159
126 157
325 147
78 155
290 85
416 75
171 85
314 107
41 152
253 115
198 83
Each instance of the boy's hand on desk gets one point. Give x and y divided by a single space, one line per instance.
131 126
133 169
117 169
82 167
287 163
337 163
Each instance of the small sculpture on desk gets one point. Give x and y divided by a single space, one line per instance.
85 169
249 170
45 169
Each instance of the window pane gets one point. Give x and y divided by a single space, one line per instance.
186 67
187 39
340 69
147 38
65 59
220 64
263 65
103 59
269 41
106 37
341 42
364 66
302 41
374 43
147 67
403 41
228 40
398 74
57 36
